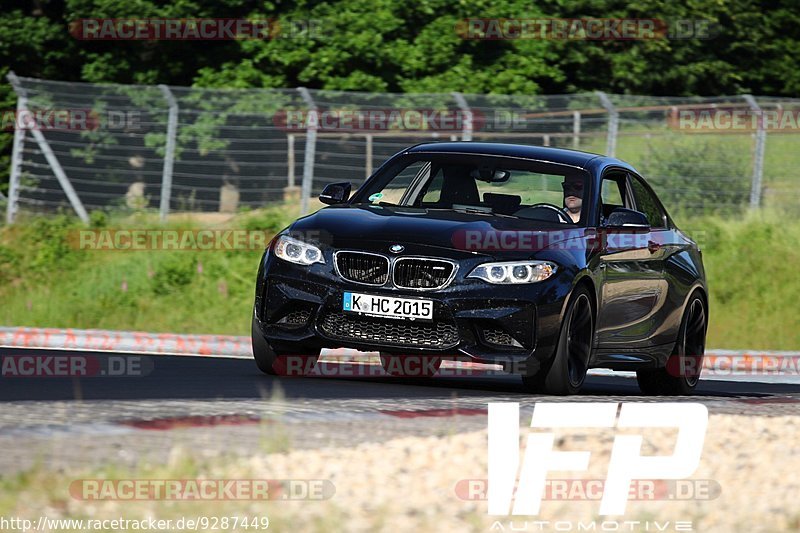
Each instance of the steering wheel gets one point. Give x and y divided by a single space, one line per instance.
550 208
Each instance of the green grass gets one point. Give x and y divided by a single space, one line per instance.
46 282
752 270
751 264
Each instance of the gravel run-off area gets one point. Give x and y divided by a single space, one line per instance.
409 484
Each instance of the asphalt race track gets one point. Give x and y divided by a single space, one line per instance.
226 406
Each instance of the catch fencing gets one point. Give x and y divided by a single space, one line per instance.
85 147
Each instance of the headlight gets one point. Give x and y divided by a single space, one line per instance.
514 272
298 252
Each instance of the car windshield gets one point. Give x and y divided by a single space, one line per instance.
480 184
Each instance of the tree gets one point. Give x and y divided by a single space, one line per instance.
388 45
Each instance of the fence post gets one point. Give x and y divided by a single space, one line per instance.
368 155
576 129
613 123
466 128
311 146
16 160
169 152
48 154
290 160
758 156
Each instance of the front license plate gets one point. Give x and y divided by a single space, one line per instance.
388 306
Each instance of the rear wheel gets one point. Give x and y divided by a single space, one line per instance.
682 372
406 366
567 368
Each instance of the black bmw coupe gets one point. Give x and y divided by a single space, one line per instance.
545 261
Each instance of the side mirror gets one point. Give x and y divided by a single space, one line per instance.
627 218
335 193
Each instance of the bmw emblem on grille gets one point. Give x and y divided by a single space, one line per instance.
396 248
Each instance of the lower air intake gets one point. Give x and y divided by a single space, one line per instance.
389 332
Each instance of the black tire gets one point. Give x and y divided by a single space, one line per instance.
683 368
410 366
275 364
566 371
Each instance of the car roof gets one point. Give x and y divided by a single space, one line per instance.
561 156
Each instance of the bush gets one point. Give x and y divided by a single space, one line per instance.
684 174
270 220
9 265
98 219
174 273
39 246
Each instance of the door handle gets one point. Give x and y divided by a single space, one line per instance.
653 246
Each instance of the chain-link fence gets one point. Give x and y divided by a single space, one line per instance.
89 146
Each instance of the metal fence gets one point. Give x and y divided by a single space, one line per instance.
129 147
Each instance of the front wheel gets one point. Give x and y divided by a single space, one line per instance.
275 364
682 373
567 368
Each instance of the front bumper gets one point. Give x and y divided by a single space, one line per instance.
298 310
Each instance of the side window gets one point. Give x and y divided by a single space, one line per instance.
395 189
647 204
433 192
610 192
612 195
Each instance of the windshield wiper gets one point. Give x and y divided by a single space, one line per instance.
473 209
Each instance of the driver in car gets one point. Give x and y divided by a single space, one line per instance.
573 197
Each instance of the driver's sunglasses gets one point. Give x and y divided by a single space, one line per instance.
576 186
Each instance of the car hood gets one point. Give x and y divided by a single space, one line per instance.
422 230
